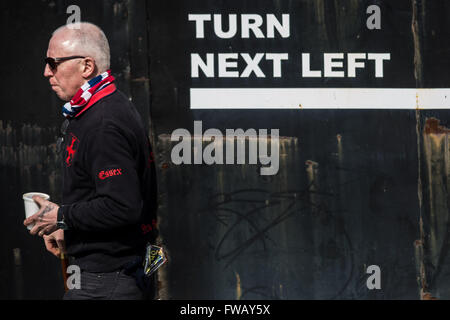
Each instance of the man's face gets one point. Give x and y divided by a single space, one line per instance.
67 78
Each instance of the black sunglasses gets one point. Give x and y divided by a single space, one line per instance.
53 62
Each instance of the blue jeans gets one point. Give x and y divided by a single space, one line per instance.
105 286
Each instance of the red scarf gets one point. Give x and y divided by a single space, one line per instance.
84 94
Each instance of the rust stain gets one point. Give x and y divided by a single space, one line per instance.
417 101
310 163
140 79
436 157
428 296
165 165
418 74
432 127
238 286
420 266
162 280
311 170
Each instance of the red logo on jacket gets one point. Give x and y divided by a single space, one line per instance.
71 149
109 173
146 228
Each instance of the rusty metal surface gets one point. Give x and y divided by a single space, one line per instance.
307 233
370 193
355 188
436 223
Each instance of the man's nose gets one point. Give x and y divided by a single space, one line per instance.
47 71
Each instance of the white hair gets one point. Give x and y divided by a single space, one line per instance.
90 41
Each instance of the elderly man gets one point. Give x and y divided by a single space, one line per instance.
109 198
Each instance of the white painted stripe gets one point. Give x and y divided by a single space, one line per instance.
85 86
319 98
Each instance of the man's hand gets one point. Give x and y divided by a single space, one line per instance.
45 219
55 243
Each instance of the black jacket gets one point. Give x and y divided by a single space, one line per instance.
109 185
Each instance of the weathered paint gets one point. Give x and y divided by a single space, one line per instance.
436 192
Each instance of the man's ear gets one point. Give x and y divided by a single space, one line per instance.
89 69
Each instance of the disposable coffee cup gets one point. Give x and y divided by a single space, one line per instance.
31 207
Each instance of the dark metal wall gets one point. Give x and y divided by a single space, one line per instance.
355 188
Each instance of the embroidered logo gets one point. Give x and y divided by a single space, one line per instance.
71 149
146 228
109 173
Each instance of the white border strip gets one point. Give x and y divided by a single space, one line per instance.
319 98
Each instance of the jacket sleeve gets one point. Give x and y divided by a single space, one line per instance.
118 201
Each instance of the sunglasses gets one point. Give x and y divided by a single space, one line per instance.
53 62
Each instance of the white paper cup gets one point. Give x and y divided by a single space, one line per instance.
31 207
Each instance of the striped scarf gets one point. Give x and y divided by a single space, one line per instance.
84 94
